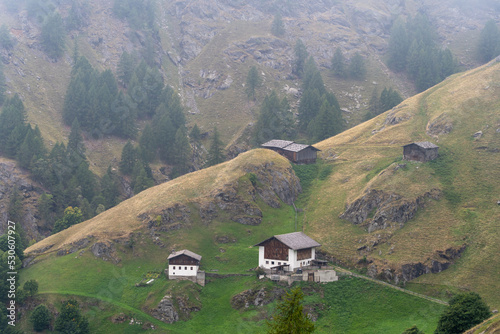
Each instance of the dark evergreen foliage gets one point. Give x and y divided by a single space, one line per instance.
3 85
275 120
53 36
181 153
290 316
413 48
40 318
195 133
12 118
278 27
78 15
488 46
338 64
129 158
465 310
6 41
216 151
253 82
301 55
413 330
357 67
70 320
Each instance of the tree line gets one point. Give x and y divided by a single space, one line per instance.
413 49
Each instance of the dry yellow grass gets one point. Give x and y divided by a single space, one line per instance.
194 187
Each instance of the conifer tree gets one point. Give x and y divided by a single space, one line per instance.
141 179
398 46
70 319
216 150
253 82
338 64
53 36
301 55
128 158
12 116
357 67
290 316
182 152
488 46
278 27
147 144
126 68
110 188
195 134
275 120
6 41
3 85
40 318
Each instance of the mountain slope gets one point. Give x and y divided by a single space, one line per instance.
403 219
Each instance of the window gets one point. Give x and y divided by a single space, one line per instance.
185 268
173 267
272 262
191 268
267 262
279 263
173 273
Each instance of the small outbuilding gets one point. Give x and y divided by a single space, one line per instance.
297 153
185 264
286 252
420 151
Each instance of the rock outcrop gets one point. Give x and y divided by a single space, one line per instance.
256 297
385 209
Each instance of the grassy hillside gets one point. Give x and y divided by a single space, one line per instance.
366 158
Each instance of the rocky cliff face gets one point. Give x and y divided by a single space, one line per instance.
14 179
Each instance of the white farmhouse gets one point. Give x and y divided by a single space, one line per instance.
183 264
287 251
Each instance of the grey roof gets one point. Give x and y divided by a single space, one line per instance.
424 144
185 252
299 147
277 143
287 145
295 240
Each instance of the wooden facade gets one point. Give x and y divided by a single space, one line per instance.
275 250
183 260
421 151
303 254
297 153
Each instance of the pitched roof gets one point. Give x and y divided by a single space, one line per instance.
295 240
287 145
424 144
277 143
185 252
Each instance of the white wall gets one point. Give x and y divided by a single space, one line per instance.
292 260
177 270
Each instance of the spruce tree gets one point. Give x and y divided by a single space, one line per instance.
195 134
216 150
128 158
182 152
301 55
290 316
141 179
357 67
398 46
70 319
147 144
53 36
253 82
338 64
3 85
488 46
110 188
277 26
12 116
40 318
126 68
6 41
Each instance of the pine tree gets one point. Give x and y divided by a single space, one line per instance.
70 319
309 105
274 121
278 27
40 318
32 148
290 316
147 144
301 55
126 68
357 67
216 150
141 179
398 46
53 36
253 82
110 188
195 134
182 152
12 116
6 41
128 159
338 64
488 46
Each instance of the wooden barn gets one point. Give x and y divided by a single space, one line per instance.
297 153
287 251
183 264
421 151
